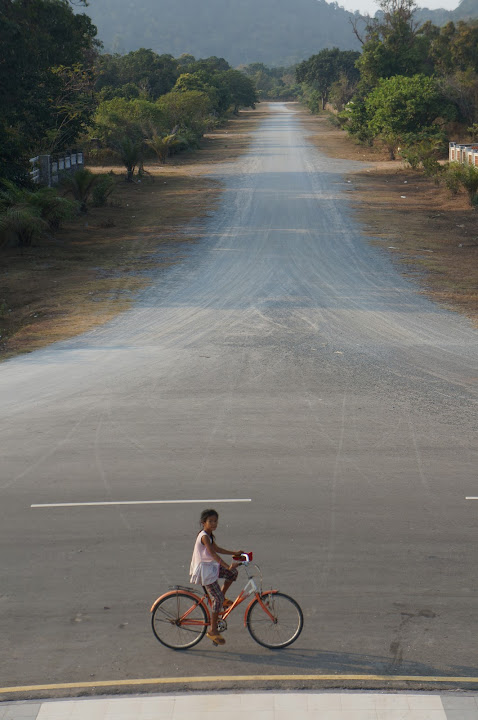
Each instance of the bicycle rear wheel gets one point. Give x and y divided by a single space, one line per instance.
281 630
179 621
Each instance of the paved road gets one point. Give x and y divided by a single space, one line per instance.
286 361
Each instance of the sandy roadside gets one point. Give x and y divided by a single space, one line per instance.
94 267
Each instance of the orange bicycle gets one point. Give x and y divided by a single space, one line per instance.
180 617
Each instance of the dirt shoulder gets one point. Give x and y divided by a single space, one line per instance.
432 234
94 267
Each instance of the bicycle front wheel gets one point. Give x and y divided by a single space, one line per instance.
179 620
283 628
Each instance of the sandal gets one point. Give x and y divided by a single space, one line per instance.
227 603
216 638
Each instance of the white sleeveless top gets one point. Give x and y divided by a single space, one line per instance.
204 569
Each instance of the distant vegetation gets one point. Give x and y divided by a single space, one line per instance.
409 88
273 83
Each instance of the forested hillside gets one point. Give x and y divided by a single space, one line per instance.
466 10
275 32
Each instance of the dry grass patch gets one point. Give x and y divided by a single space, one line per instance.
432 234
95 266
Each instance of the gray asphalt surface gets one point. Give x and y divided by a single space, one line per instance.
284 360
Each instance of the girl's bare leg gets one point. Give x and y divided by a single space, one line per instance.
226 586
214 618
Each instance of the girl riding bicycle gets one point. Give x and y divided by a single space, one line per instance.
207 567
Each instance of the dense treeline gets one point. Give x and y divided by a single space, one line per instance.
276 83
324 73
56 87
408 88
46 78
152 104
58 91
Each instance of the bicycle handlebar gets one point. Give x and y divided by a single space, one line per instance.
243 557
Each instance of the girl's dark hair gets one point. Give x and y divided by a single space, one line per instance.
207 514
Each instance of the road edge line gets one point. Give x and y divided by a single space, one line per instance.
237 678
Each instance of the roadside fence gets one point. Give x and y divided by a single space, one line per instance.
49 169
464 154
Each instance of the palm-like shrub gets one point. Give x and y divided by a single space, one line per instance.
102 190
161 145
130 151
80 184
20 215
54 208
23 221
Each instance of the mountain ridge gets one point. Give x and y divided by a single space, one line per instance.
466 10
275 32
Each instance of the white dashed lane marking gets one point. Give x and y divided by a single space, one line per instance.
140 502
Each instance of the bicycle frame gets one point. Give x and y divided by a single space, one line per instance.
250 588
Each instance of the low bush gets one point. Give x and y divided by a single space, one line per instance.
102 190
26 215
458 176
423 152
452 177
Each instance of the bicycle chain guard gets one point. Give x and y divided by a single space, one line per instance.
221 625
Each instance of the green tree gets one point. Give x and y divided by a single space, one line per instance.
321 71
124 126
453 48
46 62
341 92
225 88
152 75
461 88
393 45
239 87
400 108
185 61
209 65
187 110
202 81
117 118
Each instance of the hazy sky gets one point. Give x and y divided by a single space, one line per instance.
371 7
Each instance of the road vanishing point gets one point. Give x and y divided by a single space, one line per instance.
287 374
